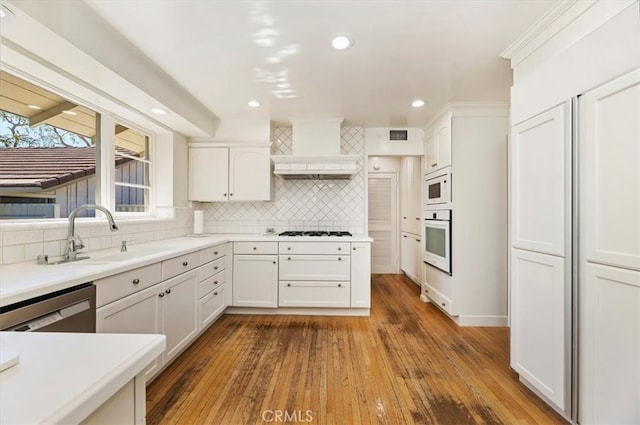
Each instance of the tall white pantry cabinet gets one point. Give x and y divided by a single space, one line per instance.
575 211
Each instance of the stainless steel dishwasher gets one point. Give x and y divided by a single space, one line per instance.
68 310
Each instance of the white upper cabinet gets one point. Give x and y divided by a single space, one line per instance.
438 145
223 173
610 189
540 179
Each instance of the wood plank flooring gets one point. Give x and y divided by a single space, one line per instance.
406 364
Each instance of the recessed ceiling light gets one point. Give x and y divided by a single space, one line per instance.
341 42
418 103
69 112
254 103
34 107
159 111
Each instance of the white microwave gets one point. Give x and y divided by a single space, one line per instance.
437 188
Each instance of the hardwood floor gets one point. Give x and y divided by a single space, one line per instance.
405 364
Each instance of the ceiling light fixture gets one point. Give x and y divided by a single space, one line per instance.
341 42
69 112
418 103
34 107
254 103
159 111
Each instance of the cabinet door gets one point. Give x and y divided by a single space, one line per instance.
136 314
255 280
408 262
208 174
610 172
179 310
415 196
211 306
539 313
430 152
416 251
405 207
249 174
443 142
361 274
540 182
609 349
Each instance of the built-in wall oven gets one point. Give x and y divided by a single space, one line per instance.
437 189
436 245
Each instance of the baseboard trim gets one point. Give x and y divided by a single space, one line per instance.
304 311
482 321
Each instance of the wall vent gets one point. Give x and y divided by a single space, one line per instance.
398 135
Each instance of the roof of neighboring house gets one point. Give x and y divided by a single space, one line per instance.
46 168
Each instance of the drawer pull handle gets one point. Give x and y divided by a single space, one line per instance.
288 284
224 194
215 282
354 249
434 164
215 293
339 285
339 249
168 291
288 258
288 248
185 263
418 218
136 281
255 248
274 262
339 258
444 304
231 194
404 236
216 267
417 240
215 253
161 294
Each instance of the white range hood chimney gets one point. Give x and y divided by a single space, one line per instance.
316 152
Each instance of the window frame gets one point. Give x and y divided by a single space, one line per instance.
105 156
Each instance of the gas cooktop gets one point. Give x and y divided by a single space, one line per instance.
313 233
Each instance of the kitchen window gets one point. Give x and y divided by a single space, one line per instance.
50 148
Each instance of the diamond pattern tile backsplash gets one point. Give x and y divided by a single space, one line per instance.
299 204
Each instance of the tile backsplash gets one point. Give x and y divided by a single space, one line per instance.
24 242
299 204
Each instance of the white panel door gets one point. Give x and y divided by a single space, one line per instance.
610 172
249 174
538 317
609 347
540 182
208 174
255 281
383 222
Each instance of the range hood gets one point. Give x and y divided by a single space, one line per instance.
316 153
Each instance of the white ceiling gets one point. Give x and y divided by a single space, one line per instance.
278 52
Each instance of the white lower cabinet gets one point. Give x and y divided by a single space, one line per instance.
609 347
167 308
314 294
255 280
539 312
411 256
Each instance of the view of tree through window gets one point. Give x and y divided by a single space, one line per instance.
48 150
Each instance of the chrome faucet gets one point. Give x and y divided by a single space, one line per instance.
74 243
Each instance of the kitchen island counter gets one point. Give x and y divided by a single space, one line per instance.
65 377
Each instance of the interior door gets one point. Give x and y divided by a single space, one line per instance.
383 222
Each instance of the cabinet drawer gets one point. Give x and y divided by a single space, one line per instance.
439 299
120 285
213 253
314 248
209 284
315 267
213 267
314 294
255 247
211 307
181 264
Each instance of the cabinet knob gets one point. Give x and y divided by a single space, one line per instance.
288 248
404 218
404 236
215 293
231 194
215 253
339 249
168 291
418 218
434 164
224 194
216 267
339 258
215 282
354 249
339 285
288 284
136 281
417 240
288 258
255 248
161 294
444 304
185 263
274 262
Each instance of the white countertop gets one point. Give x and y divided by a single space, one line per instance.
27 280
64 377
